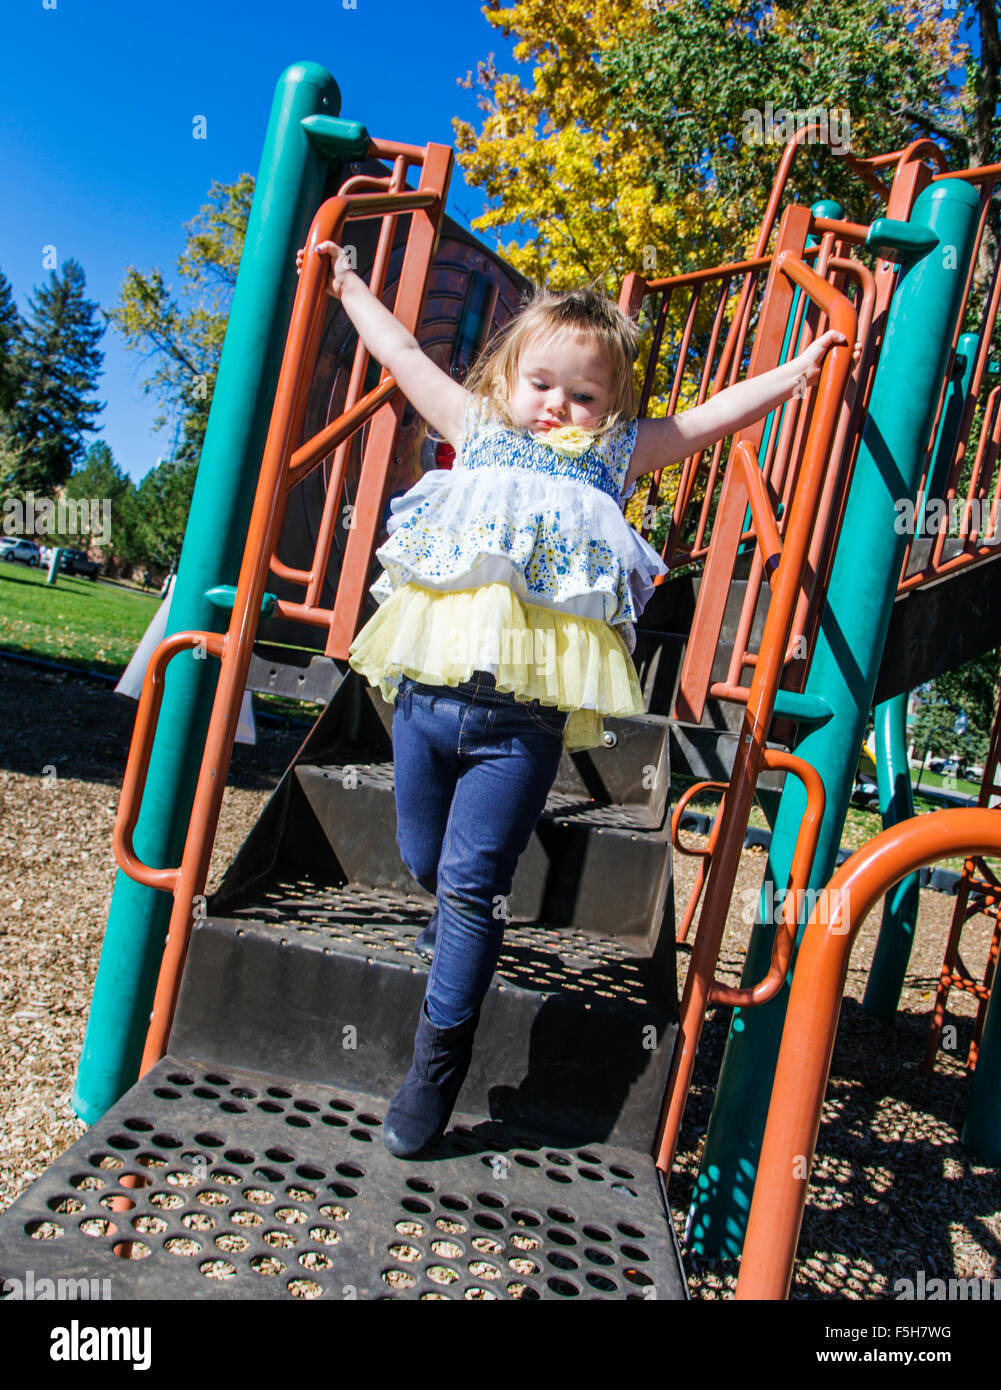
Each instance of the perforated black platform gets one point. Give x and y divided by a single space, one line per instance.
560 805
252 1187
386 923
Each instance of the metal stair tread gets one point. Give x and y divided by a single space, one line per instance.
367 921
257 1187
560 806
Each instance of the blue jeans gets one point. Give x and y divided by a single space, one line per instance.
473 768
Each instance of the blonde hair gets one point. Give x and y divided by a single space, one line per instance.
585 312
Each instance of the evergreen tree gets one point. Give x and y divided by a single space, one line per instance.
100 480
971 689
61 363
11 376
155 513
10 348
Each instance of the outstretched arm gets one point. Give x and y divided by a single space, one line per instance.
665 441
432 392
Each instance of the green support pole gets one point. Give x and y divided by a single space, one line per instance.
900 907
290 186
893 773
948 427
935 249
982 1126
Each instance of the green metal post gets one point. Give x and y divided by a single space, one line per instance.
53 575
290 186
948 427
982 1126
893 773
850 642
900 907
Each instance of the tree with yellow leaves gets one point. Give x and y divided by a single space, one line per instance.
627 150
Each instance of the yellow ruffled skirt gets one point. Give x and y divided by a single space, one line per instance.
537 653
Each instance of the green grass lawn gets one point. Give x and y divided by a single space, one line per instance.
955 784
78 622
96 626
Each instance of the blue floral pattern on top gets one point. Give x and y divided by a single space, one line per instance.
490 444
513 509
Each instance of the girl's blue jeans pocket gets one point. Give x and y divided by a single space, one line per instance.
548 718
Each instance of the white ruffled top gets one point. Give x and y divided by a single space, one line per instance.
512 509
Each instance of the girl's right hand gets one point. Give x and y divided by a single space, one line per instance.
341 265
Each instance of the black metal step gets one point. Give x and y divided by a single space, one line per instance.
594 867
598 861
251 1186
576 1035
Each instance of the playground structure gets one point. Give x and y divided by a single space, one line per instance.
282 1011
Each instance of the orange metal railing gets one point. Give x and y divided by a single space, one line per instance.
811 1025
285 463
875 291
759 487
695 509
696 513
785 560
979 892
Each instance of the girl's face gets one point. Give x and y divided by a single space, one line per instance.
561 379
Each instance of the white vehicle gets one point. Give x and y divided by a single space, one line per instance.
18 548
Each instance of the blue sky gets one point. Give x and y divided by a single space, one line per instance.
98 157
96 135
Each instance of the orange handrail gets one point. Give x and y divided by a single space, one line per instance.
235 648
766 527
679 811
804 1062
985 892
704 856
799 876
752 755
134 781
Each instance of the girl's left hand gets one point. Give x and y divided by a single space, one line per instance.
808 362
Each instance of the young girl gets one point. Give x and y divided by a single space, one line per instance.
509 589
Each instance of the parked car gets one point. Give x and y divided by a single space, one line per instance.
973 772
76 562
18 548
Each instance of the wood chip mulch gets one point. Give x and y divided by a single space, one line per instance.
893 1190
